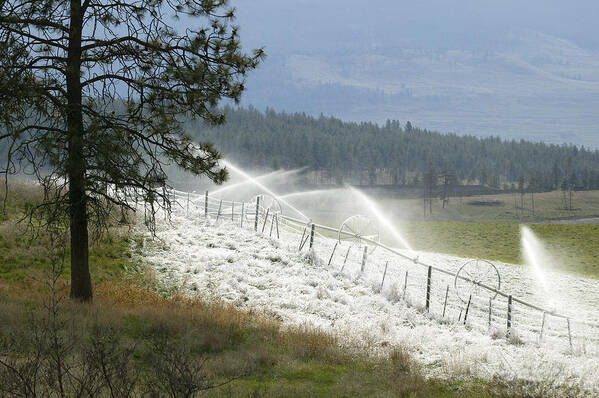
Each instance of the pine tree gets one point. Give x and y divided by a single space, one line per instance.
92 95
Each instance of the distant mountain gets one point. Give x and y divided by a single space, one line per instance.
464 70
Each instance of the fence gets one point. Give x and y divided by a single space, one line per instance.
430 288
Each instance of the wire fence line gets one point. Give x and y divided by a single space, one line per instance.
403 276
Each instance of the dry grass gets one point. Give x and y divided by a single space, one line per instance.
308 343
401 359
501 388
220 343
150 333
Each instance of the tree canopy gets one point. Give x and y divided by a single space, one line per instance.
92 94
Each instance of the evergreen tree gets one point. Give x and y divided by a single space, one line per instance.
92 94
298 140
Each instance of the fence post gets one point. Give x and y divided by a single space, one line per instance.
570 335
187 211
467 308
220 205
265 219
242 213
490 311
384 274
345 259
206 204
301 245
312 235
405 285
257 210
542 327
332 253
509 314
272 223
277 226
364 257
445 302
232 211
428 288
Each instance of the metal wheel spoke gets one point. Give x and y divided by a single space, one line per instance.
471 274
358 228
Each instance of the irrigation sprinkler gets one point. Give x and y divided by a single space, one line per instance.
445 302
332 253
467 309
361 230
384 274
474 276
486 277
428 289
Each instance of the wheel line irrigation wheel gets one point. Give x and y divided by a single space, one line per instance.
472 275
356 229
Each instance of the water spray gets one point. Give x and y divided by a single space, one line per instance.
240 183
382 218
535 256
309 193
264 188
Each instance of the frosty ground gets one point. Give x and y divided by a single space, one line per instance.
221 261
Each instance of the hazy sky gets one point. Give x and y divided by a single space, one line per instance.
286 25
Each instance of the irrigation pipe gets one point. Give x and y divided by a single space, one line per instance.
441 270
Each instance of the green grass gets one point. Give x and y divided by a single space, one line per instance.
574 247
493 232
548 206
24 255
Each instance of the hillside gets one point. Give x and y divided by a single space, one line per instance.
475 68
368 305
144 337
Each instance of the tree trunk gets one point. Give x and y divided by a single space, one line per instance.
81 288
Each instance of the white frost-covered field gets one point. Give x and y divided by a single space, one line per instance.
225 262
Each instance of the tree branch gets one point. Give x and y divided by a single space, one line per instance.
37 22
